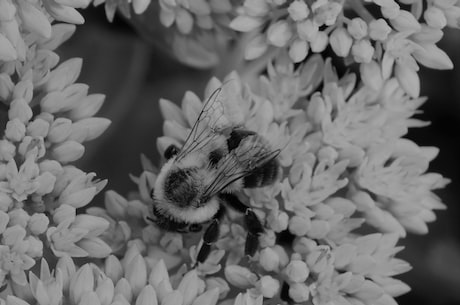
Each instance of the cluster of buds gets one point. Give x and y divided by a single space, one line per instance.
134 279
333 157
50 116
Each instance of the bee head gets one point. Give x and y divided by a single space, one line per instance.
181 186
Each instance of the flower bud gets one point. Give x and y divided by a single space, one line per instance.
67 270
38 128
253 7
66 14
105 291
159 279
95 247
319 43
362 51
52 102
18 217
371 75
147 296
88 129
297 271
379 29
433 57
269 259
307 30
278 221
391 10
38 223
298 50
239 276
122 287
357 28
82 283
435 17
405 22
80 198
7 151
68 151
34 20
45 183
140 6
63 213
340 42
12 235
95 225
15 130
184 21
244 23
279 33
189 286
298 10
299 292
87 107
21 110
408 79
59 130
171 112
113 268
268 286
299 225
136 274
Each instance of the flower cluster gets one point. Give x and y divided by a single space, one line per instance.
50 116
134 279
346 167
398 35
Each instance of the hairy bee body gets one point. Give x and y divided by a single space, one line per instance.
196 184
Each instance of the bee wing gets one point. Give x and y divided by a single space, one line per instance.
240 162
209 125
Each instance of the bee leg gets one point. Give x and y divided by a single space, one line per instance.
253 224
210 236
255 228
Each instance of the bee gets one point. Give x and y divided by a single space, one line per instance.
197 184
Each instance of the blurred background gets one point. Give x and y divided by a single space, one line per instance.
134 75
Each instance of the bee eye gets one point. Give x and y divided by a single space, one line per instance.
171 151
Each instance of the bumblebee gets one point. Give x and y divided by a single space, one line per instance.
197 184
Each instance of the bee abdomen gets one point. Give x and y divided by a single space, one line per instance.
264 175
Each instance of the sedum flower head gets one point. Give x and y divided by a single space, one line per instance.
336 142
49 116
399 36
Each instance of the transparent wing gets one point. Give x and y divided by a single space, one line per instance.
210 122
252 153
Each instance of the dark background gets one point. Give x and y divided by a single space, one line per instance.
134 75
